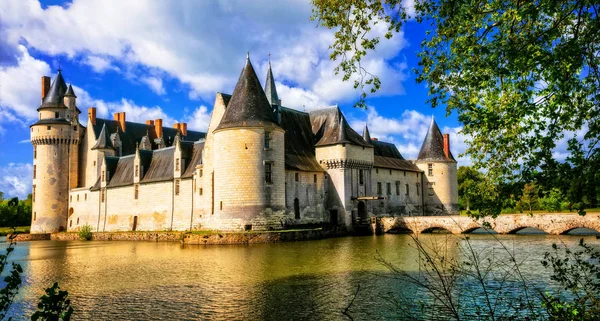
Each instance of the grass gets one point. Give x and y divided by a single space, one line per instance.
19 229
587 210
208 232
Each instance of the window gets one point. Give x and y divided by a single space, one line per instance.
34 151
407 190
77 197
201 191
177 187
377 170
201 173
103 176
34 215
361 177
429 169
315 178
177 164
85 196
102 196
137 170
397 188
379 192
94 163
74 128
70 223
33 194
430 186
296 177
267 140
33 171
137 191
71 198
296 208
221 205
418 189
268 173
56 115
389 188
48 127
78 221
404 173
390 172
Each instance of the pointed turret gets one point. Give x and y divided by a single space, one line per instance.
366 134
433 145
249 106
70 92
271 92
54 97
104 141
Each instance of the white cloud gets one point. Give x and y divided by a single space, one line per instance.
199 119
99 64
155 84
15 180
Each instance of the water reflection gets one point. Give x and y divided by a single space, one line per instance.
303 280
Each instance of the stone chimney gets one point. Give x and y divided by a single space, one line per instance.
447 145
120 117
150 122
45 85
92 115
158 128
183 129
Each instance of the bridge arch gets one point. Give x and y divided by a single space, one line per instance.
570 228
481 228
515 230
439 228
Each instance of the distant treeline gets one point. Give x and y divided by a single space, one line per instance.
15 212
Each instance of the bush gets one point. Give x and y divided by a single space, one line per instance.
553 201
85 232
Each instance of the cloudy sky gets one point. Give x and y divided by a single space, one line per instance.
167 59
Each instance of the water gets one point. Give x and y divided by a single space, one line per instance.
311 280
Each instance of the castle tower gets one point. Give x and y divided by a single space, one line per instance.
366 135
271 93
249 168
53 138
440 183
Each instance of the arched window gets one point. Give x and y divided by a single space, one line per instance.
296 208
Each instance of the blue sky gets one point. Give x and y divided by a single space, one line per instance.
160 59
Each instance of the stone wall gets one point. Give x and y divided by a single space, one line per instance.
441 188
405 193
310 196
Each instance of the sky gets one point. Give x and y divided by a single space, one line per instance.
168 59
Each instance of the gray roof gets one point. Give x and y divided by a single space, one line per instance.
249 105
394 163
54 97
52 121
299 141
366 135
270 89
433 146
330 127
70 92
196 159
123 174
134 132
386 149
161 166
103 141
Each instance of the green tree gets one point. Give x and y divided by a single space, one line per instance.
530 196
520 74
553 201
469 186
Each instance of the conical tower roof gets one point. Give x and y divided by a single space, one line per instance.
70 92
54 97
433 145
248 106
103 141
270 89
366 135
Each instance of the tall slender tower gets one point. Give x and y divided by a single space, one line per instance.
54 136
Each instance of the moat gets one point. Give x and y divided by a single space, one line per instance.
311 280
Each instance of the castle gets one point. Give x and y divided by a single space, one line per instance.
260 166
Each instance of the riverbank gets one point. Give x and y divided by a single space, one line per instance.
196 237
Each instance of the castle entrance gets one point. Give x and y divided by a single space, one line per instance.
134 223
362 210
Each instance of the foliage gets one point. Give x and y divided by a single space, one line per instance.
522 76
15 212
469 186
578 273
553 201
85 232
530 197
12 280
55 305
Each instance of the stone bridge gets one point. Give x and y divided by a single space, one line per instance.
559 223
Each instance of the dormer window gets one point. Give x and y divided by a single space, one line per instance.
56 115
429 169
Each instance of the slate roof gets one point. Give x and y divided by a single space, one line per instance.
270 90
330 127
366 135
386 149
54 97
248 105
103 141
134 132
299 141
387 155
52 121
433 145
70 92
196 159
123 174
161 166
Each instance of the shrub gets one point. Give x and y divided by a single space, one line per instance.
85 233
553 201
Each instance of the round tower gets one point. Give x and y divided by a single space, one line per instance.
440 182
249 169
52 137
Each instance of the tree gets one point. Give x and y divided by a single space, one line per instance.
469 181
530 196
521 75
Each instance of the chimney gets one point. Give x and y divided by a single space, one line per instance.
158 128
150 122
45 85
375 139
120 118
176 126
183 128
92 115
447 145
